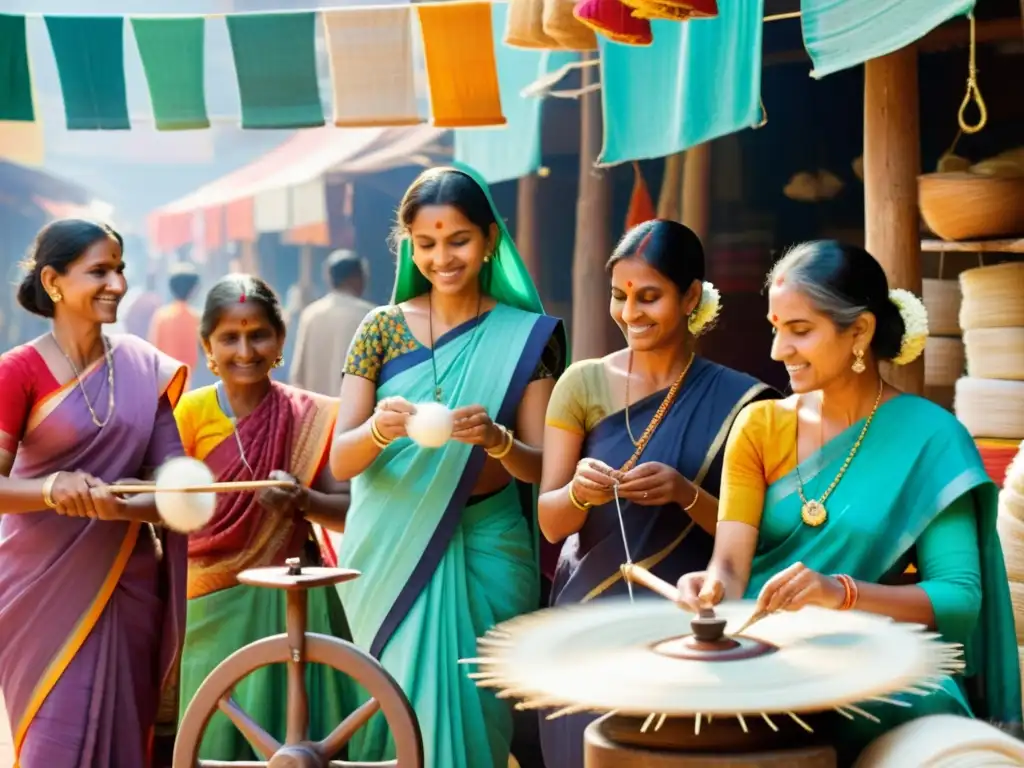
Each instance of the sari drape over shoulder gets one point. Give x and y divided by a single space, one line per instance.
441 567
662 539
91 620
289 430
914 464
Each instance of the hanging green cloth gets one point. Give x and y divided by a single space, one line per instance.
15 79
173 53
504 277
90 62
275 63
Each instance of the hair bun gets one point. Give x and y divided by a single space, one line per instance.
915 324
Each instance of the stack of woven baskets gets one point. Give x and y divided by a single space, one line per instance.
944 351
1010 523
990 399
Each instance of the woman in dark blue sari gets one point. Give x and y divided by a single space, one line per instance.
653 418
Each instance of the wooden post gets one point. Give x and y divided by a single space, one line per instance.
306 273
892 162
593 333
526 225
671 188
696 213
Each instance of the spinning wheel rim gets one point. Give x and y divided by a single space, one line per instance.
319 649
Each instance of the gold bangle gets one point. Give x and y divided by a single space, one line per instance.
378 439
48 490
508 441
696 498
576 502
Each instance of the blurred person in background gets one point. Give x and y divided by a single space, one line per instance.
175 326
326 326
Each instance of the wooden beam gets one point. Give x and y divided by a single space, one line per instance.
892 162
697 190
527 189
591 334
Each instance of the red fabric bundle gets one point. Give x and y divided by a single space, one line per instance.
614 20
996 455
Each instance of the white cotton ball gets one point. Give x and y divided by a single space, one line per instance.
431 425
184 512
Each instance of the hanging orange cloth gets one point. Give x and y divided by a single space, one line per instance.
641 206
458 46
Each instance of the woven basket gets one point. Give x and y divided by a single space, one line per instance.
1011 506
524 27
568 31
990 408
942 300
994 353
993 297
1011 537
963 206
943 361
1017 599
942 741
1015 477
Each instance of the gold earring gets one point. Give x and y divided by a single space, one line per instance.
487 258
279 362
212 365
56 296
858 362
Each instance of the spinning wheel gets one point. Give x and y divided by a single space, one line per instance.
713 689
296 648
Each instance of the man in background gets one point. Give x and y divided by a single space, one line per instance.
326 326
175 326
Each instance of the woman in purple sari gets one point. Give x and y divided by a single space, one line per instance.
651 418
92 597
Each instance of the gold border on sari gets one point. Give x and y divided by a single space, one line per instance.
76 639
709 457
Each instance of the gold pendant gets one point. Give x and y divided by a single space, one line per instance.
813 513
437 394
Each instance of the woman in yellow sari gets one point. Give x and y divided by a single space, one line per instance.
248 427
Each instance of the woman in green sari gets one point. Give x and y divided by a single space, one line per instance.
446 538
852 477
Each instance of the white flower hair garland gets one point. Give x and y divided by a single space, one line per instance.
915 323
706 312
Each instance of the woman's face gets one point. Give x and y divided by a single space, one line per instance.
93 285
647 306
244 345
815 352
448 248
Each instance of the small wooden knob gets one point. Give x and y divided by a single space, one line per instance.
294 566
707 627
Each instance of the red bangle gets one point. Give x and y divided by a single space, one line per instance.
850 588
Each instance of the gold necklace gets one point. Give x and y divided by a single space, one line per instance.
664 405
110 381
813 511
438 393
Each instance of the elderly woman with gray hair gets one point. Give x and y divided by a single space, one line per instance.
830 495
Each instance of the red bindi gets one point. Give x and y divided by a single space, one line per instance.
775 318
780 280
629 283
245 323
438 224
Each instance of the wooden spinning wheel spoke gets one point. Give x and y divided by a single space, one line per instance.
262 742
344 732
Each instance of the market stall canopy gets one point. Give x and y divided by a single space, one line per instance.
56 197
284 190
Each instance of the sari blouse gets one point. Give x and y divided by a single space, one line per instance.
762 449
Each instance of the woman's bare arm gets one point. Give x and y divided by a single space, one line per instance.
327 501
557 515
353 449
523 462
733 556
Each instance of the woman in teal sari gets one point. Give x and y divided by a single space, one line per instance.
446 538
851 477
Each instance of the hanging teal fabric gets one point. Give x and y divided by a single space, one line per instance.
840 35
173 52
512 150
16 82
275 63
90 62
699 80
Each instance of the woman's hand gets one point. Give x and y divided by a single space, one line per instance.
798 586
71 494
593 482
391 415
474 426
699 590
652 483
283 501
